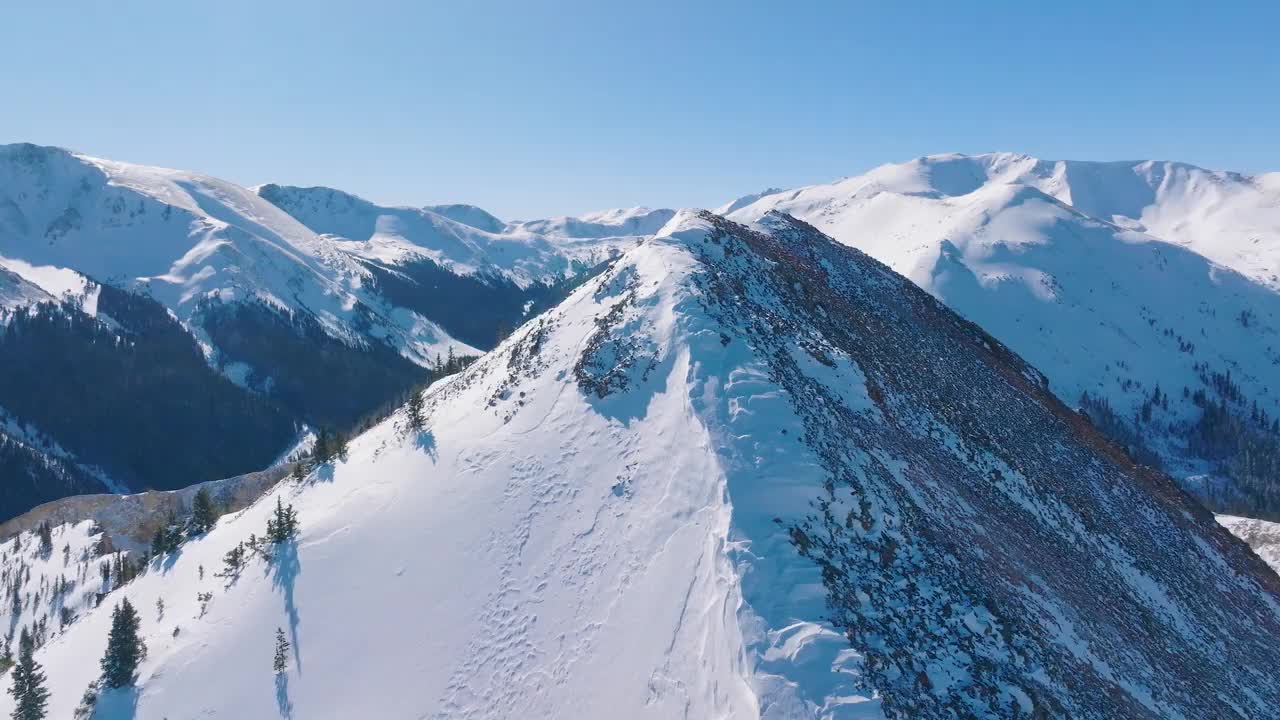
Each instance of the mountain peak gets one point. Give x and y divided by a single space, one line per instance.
744 467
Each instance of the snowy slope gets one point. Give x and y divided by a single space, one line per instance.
463 239
16 291
618 222
1052 258
185 238
1230 218
1262 536
47 591
24 285
683 493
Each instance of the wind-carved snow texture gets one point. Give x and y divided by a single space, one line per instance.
815 493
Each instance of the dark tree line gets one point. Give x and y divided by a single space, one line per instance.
32 477
493 304
316 378
1240 440
136 398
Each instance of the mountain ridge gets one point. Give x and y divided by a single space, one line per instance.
745 471
1156 339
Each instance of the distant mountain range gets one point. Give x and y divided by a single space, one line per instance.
1146 291
160 328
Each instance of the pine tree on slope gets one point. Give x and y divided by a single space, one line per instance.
203 514
339 447
283 523
414 410
28 691
125 648
281 661
45 532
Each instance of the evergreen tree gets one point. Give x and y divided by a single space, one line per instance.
322 450
159 542
28 691
125 648
340 446
203 514
281 663
283 523
166 540
6 652
233 560
45 531
414 410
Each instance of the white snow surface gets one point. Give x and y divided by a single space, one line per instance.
462 238
1231 218
1111 277
23 284
182 237
535 552
1261 535
16 291
46 583
614 224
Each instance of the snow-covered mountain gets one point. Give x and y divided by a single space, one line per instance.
185 239
200 271
618 222
439 258
745 472
1149 286
461 239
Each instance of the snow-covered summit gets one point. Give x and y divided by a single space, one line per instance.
745 472
454 263
476 217
184 238
620 222
462 239
1230 218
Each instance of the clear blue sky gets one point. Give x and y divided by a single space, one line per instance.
531 108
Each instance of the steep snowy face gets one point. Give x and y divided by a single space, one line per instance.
1152 331
948 504
186 239
24 285
202 286
745 472
179 233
